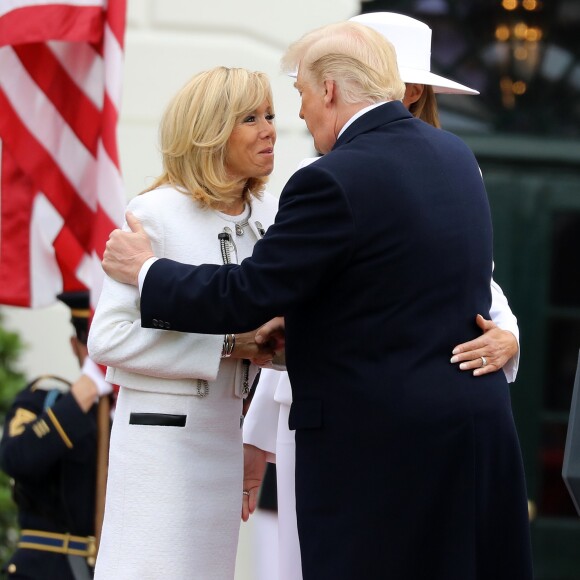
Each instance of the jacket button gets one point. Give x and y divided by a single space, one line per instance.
11 569
155 322
167 325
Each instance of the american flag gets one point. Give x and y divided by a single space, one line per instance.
61 187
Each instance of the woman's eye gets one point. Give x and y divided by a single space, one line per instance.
270 117
250 119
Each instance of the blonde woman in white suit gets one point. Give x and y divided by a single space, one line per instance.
174 492
266 433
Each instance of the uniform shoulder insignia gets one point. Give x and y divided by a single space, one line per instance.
20 419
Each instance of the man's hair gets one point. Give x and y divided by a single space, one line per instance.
361 61
195 129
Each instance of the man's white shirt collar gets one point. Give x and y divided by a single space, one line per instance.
360 114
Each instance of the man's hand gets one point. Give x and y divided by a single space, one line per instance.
495 345
272 334
254 469
90 386
84 390
247 347
126 252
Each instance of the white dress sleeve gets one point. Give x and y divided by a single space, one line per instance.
116 338
261 421
502 315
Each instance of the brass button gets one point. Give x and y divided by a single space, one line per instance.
11 568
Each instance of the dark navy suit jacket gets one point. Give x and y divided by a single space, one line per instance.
380 258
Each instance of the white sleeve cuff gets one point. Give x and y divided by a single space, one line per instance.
502 315
143 272
261 422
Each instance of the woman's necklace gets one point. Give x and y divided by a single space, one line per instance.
238 225
241 225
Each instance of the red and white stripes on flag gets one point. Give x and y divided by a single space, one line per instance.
61 187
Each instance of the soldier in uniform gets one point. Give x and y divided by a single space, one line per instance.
49 448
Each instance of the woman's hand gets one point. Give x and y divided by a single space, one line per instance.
487 353
254 469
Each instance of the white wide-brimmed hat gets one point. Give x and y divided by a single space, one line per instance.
412 41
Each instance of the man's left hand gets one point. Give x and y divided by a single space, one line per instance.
126 252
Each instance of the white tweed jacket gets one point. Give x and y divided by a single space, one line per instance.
164 360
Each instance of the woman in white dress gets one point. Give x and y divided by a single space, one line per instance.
266 433
174 492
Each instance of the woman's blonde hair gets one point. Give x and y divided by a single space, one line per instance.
361 61
195 129
425 107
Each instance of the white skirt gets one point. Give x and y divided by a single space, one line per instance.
174 494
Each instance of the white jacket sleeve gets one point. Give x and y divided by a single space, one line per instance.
261 421
116 338
502 315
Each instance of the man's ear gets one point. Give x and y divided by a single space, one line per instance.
329 92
